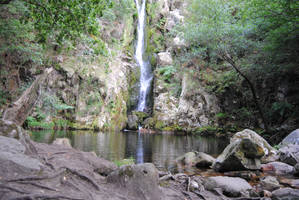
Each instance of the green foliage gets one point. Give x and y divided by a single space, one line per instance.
34 123
221 115
128 161
3 97
118 10
54 103
167 72
64 19
16 36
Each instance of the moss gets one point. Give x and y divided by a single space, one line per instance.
159 125
128 161
174 127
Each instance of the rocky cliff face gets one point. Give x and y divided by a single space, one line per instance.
180 100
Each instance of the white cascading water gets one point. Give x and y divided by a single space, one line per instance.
145 67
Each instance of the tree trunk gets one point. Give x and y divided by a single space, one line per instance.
227 58
20 109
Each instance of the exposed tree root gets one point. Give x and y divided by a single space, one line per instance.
37 178
38 185
7 187
84 177
44 197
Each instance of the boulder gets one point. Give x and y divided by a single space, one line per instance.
164 59
12 156
194 160
289 154
249 134
11 130
231 186
292 138
132 122
285 194
278 168
269 183
241 154
138 181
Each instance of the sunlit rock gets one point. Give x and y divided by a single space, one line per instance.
292 138
242 154
164 59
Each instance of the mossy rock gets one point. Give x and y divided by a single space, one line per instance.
141 115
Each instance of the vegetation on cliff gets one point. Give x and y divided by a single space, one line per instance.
254 40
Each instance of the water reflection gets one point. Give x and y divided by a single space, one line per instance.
157 148
139 151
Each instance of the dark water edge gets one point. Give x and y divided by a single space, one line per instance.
160 149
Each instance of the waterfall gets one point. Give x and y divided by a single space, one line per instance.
144 64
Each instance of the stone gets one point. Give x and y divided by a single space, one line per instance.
164 59
11 145
285 194
247 133
194 160
292 138
269 183
178 44
241 154
139 181
132 122
278 168
12 153
231 186
289 154
62 141
174 18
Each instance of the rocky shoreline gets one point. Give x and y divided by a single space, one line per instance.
249 168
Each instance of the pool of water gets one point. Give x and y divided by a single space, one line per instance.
160 149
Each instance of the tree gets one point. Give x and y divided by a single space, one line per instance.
215 31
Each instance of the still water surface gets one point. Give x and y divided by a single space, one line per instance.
160 149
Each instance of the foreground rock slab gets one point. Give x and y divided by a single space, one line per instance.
138 181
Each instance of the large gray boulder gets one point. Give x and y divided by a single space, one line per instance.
285 194
12 156
132 122
137 181
269 183
231 186
278 168
242 154
292 138
289 154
